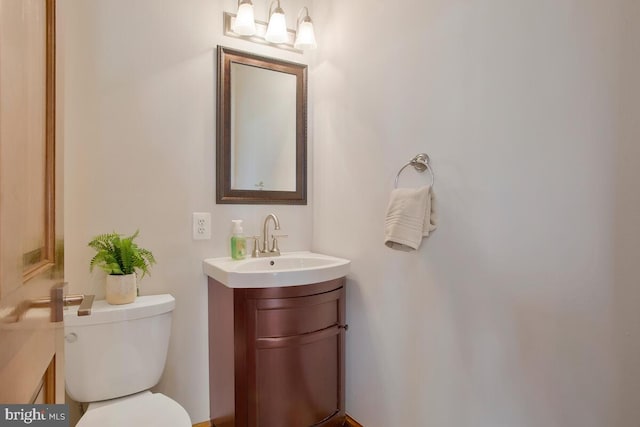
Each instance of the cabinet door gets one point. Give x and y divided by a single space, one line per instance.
296 368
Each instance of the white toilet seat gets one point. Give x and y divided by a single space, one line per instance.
141 409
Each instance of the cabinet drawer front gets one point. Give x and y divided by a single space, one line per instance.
295 316
299 385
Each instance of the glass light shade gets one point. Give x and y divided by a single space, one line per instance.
306 37
277 29
245 24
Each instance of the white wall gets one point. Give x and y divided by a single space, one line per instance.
137 92
520 310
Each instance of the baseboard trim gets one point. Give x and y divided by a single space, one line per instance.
350 422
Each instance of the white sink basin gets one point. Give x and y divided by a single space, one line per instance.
288 269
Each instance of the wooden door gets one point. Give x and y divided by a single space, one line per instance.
31 331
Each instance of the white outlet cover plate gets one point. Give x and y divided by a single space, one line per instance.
201 226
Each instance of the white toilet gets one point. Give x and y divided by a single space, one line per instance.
114 356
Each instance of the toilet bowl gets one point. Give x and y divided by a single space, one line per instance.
141 409
114 356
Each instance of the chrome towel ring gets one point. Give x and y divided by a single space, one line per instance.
420 163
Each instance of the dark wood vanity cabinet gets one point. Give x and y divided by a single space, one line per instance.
276 355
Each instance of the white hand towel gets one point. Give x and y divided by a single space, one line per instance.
410 217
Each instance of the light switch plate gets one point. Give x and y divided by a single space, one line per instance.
201 226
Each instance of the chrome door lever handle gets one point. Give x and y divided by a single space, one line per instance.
58 301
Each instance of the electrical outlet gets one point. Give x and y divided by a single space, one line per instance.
201 226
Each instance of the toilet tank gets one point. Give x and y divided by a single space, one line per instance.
118 349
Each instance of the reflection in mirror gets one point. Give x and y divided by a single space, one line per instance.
263 132
261 143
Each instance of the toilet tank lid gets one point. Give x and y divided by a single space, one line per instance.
102 312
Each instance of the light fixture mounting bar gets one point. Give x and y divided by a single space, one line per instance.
258 37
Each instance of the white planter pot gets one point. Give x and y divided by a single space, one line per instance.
121 289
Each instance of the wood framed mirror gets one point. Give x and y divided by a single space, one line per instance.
261 148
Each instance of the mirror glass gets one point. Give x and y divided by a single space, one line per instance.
261 141
263 132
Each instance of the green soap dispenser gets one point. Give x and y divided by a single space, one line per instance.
238 241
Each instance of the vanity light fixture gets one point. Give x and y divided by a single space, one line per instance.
245 24
277 29
305 36
274 33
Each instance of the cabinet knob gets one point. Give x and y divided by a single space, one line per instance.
345 327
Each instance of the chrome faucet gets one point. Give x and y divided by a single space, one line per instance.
265 250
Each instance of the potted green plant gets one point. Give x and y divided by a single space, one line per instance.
120 258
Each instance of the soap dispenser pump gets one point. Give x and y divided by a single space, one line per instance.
238 241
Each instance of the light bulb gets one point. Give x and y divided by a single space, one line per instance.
277 29
244 24
306 38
